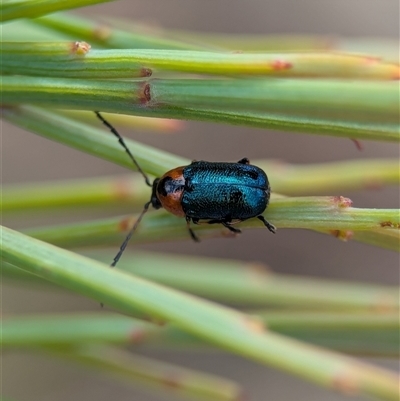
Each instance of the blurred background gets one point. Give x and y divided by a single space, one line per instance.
28 158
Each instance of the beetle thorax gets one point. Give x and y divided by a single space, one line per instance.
169 191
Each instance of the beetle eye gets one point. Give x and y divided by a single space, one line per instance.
155 202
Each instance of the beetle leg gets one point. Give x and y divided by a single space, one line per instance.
270 226
226 224
230 228
245 160
191 232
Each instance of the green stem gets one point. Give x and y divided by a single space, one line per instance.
382 237
150 373
104 191
315 213
130 190
373 101
329 213
155 125
103 35
141 98
288 96
242 283
222 326
98 142
303 179
13 9
66 59
358 332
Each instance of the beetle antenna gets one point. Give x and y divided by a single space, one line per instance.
128 237
123 144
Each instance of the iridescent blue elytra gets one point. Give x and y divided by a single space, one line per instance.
218 192
227 191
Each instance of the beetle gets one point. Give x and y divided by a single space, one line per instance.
217 192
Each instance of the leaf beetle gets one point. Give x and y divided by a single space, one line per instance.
217 192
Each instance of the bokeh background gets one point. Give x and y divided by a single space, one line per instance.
27 158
